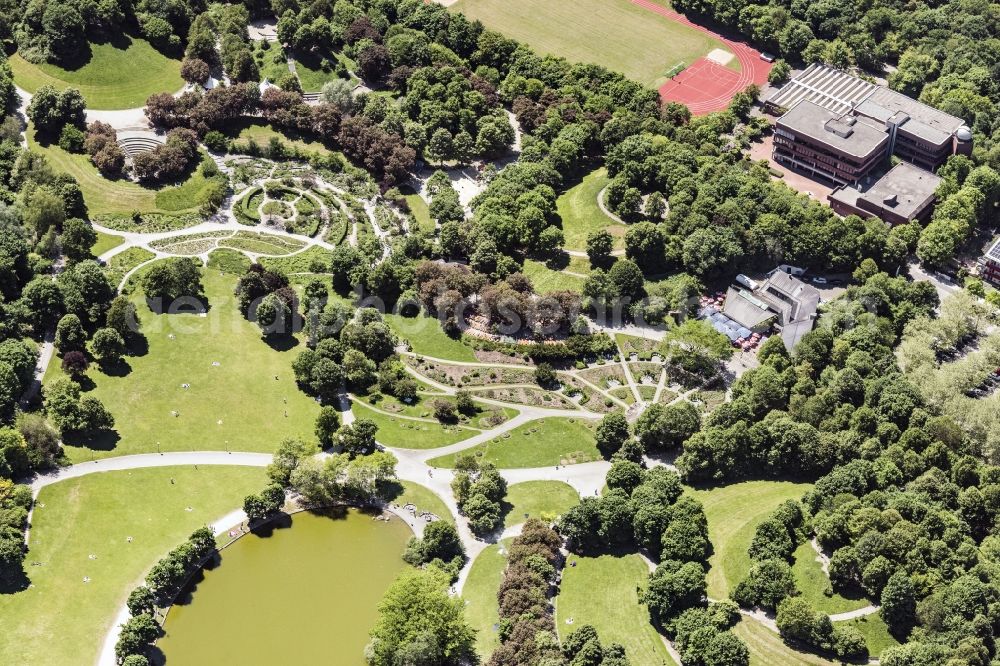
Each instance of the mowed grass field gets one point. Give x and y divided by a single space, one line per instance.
427 338
411 433
249 402
540 443
480 595
119 196
767 649
875 631
614 33
61 620
603 592
104 243
247 129
112 76
538 498
581 216
733 514
812 582
546 280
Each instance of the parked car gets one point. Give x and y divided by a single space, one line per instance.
819 280
746 282
766 57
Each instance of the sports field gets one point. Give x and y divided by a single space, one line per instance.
614 33
111 76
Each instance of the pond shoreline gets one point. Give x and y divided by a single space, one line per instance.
236 519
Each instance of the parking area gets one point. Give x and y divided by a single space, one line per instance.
799 182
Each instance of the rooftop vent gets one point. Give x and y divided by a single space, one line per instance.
838 127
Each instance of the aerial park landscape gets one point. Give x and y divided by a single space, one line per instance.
594 333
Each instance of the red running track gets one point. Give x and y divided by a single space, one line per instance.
706 86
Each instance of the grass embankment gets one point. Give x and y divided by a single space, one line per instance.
118 75
733 513
480 595
812 582
407 492
250 129
581 216
104 243
541 443
767 649
614 33
875 631
538 499
426 337
546 279
409 433
62 620
603 592
248 402
121 196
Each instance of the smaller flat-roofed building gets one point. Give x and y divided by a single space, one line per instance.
904 193
781 300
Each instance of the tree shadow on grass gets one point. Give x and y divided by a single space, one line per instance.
390 491
138 345
558 262
121 368
281 343
102 440
14 582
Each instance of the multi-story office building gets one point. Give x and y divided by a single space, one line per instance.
840 128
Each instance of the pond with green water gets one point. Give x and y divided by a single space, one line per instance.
306 593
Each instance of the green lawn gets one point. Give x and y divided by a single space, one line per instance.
407 492
238 403
120 196
406 433
614 33
581 215
245 129
124 261
876 633
62 620
767 649
311 75
538 499
733 514
811 581
104 243
550 441
112 76
419 209
602 591
480 596
546 279
427 337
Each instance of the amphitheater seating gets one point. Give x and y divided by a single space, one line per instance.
134 145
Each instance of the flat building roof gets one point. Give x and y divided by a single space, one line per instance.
849 135
905 190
